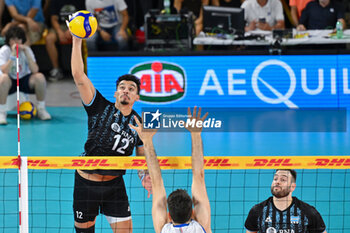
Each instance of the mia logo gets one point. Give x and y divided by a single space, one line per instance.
160 81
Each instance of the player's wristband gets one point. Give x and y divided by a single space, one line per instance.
13 58
142 174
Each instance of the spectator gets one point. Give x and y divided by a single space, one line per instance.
60 10
196 6
227 3
27 14
296 7
321 14
30 80
263 14
113 19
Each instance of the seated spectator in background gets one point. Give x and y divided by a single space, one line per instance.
28 15
321 14
227 3
113 18
30 79
263 14
296 7
196 6
59 11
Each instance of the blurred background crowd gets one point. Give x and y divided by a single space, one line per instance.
122 22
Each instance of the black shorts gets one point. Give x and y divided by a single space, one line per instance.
92 198
23 85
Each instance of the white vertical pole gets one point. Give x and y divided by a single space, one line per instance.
24 228
22 168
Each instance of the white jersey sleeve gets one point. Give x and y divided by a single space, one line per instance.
192 227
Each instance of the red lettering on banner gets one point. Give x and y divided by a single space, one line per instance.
104 163
322 162
333 162
138 163
171 83
347 162
271 162
274 162
163 163
260 162
217 163
279 162
39 163
336 162
92 162
146 82
78 162
14 162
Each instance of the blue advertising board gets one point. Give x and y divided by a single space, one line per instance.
230 81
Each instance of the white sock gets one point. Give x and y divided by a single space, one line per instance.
2 108
41 104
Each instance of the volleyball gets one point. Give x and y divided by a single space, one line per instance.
82 24
27 110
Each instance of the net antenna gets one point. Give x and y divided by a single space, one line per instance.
22 168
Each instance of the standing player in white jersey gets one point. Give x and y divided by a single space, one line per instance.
182 217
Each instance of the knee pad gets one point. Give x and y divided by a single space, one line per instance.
85 230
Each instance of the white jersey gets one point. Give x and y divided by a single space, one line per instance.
5 54
271 12
192 227
107 11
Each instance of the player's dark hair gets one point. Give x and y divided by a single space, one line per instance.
180 206
292 172
129 77
15 32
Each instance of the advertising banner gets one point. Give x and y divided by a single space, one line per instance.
293 81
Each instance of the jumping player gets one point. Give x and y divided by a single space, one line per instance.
109 134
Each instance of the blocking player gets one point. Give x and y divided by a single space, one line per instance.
109 134
185 214
282 212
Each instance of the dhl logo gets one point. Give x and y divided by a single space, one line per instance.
160 81
33 163
219 163
143 163
90 163
272 163
331 162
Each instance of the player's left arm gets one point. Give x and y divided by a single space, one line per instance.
143 174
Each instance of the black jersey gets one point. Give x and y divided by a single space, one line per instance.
109 133
299 217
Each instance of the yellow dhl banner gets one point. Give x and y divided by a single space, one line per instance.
182 162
